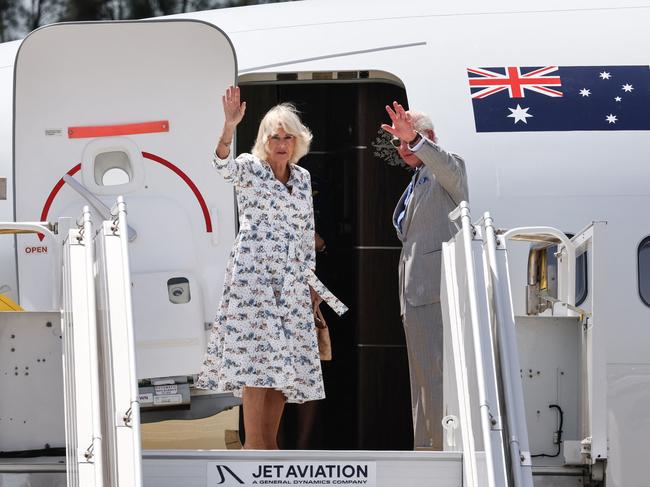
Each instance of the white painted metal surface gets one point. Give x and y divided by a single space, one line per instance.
596 241
31 403
551 373
33 472
169 468
544 363
593 356
120 74
497 285
84 442
8 277
121 415
48 270
457 382
628 397
476 328
566 260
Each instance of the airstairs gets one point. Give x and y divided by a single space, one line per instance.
486 430
102 431
102 412
498 360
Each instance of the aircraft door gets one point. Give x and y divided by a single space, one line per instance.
134 109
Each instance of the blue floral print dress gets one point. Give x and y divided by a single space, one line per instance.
264 333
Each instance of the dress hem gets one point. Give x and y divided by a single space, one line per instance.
238 390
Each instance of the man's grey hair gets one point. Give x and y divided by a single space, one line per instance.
422 122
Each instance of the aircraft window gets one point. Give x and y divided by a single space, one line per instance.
112 168
644 270
582 288
115 176
581 279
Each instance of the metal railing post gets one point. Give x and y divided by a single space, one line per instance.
521 462
488 418
97 441
134 411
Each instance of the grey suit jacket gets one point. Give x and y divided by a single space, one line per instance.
438 187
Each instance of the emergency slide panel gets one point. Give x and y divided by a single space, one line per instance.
80 365
121 411
133 109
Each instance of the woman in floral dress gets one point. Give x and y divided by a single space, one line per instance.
263 345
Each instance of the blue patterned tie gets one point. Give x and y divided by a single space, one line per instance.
407 200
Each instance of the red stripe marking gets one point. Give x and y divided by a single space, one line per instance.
482 94
482 82
480 71
123 129
541 70
515 82
549 90
178 171
48 202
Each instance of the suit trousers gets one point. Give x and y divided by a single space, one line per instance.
423 330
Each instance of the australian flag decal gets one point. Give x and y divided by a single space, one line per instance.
560 98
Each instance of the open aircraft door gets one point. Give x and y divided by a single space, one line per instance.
134 109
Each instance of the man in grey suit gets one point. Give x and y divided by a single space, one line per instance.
438 185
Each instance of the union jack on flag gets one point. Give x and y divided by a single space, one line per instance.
485 82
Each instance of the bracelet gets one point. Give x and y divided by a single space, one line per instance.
224 144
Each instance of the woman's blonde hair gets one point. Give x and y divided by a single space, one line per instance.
284 116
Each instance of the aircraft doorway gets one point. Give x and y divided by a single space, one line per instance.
356 184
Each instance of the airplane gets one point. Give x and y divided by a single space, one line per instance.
545 103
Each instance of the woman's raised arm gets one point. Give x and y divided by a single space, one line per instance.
233 109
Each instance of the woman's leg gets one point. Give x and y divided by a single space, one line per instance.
253 399
273 405
306 420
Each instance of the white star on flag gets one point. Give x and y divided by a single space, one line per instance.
611 118
617 98
520 114
585 92
605 75
627 87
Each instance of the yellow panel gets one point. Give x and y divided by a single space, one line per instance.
7 304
